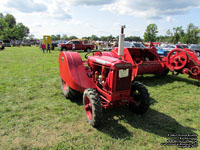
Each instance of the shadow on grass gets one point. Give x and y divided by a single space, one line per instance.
78 101
162 80
153 121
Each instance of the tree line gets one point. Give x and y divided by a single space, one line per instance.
10 29
94 38
191 35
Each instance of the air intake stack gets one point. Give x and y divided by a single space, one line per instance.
121 42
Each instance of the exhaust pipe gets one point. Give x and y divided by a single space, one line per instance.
121 42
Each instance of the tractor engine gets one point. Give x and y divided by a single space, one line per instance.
112 77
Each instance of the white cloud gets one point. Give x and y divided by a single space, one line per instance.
90 2
59 9
151 9
169 19
26 6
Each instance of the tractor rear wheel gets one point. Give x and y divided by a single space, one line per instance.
68 92
92 107
140 94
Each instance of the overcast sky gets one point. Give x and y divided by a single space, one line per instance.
101 17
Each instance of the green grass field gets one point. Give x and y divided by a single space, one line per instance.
35 115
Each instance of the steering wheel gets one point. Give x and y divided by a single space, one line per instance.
177 59
86 55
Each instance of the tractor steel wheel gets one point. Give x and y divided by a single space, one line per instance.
68 92
140 94
177 59
92 107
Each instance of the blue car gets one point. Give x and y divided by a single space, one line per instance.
161 51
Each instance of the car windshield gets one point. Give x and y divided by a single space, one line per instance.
69 42
169 46
139 45
128 44
195 47
185 46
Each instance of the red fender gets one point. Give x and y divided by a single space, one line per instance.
72 71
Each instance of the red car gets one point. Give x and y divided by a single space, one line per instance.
76 45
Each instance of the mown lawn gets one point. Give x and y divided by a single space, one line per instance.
35 115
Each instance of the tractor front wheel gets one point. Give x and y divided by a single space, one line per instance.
140 94
68 92
92 107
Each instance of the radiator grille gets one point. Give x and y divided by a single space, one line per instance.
123 83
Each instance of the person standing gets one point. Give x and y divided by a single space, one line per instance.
48 48
43 47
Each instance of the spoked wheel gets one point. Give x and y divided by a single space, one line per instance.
140 94
68 92
177 59
92 107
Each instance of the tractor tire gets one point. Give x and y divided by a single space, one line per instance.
140 94
68 92
92 107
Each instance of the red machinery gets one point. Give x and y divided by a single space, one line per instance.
105 82
147 61
183 61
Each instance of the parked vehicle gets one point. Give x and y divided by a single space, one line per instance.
196 48
1 45
128 44
6 43
161 51
138 45
16 43
76 45
26 43
182 45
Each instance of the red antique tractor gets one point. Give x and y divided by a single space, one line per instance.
104 81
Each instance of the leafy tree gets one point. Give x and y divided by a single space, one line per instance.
73 37
178 34
56 37
191 34
64 37
133 38
151 33
53 37
1 15
94 38
103 38
20 31
9 30
108 38
86 37
10 19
